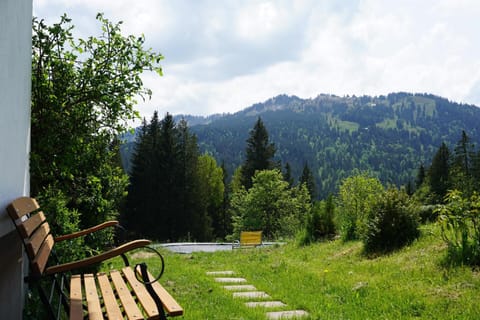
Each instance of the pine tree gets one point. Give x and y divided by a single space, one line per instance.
227 219
259 153
420 176
142 187
439 173
463 154
287 175
462 165
309 181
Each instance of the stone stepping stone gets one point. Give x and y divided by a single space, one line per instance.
231 280
265 304
251 295
220 273
245 287
293 314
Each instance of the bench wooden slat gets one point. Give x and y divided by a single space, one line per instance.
93 302
40 261
27 227
171 306
125 296
111 304
76 308
249 238
37 240
22 206
141 292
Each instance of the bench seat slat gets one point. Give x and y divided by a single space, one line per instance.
111 304
171 306
93 302
76 307
125 296
141 292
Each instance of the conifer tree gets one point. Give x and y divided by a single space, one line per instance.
309 181
439 173
462 165
287 175
463 154
420 176
259 153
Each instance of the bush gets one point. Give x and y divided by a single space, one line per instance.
391 224
62 220
460 223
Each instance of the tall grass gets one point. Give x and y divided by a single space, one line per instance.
330 280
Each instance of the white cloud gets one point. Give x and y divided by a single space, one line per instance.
225 56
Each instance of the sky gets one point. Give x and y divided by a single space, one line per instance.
222 56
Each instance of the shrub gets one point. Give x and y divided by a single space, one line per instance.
62 220
460 222
391 224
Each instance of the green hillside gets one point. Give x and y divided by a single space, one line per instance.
387 135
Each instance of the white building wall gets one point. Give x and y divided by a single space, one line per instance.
15 81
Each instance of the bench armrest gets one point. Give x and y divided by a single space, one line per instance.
235 244
98 258
87 231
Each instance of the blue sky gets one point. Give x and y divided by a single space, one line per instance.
223 56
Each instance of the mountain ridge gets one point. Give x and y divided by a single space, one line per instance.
388 135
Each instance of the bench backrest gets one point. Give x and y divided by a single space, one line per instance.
250 238
34 230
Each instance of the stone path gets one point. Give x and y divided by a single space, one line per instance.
255 299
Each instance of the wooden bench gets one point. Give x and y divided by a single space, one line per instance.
131 293
248 239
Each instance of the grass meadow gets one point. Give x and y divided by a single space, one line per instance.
330 280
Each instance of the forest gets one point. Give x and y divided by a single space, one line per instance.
389 136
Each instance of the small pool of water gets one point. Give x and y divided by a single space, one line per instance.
189 247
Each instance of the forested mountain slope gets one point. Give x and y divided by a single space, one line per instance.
387 135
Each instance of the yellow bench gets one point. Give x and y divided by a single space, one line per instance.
248 239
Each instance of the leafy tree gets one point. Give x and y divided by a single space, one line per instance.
356 198
309 181
211 189
259 153
83 94
476 171
270 205
439 173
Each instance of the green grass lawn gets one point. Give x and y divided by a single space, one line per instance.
330 280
